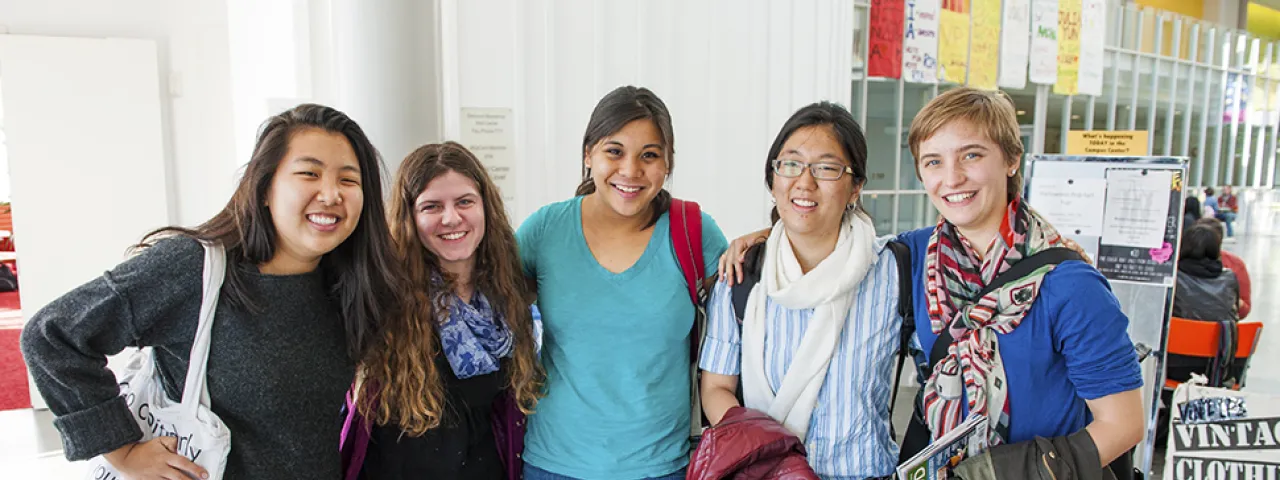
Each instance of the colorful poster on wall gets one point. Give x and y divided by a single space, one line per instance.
984 52
1093 33
920 42
1013 44
1044 42
1235 99
886 39
1068 47
953 41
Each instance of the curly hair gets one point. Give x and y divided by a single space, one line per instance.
401 381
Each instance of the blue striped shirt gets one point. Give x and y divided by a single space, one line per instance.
849 430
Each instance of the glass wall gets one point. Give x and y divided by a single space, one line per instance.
1203 91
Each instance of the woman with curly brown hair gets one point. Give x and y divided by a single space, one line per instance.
466 338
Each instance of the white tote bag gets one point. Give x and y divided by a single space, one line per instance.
202 437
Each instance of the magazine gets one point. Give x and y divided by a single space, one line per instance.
936 461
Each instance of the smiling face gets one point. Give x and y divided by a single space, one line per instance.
629 168
809 207
449 215
315 198
966 176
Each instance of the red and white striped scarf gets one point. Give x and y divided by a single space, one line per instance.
973 369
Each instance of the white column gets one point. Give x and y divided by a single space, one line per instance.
378 62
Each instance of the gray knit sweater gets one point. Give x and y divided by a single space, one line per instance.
276 379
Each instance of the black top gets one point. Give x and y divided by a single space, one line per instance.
462 447
277 379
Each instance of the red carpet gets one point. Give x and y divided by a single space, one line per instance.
13 372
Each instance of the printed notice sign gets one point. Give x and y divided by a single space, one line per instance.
490 136
1140 226
1137 207
1102 142
1073 206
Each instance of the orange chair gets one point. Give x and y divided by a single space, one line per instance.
1195 338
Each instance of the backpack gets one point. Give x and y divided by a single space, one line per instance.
752 267
8 281
686 240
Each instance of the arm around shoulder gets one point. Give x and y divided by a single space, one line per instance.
720 356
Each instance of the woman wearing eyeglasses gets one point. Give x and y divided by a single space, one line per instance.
817 339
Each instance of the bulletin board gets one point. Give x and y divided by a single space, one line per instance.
1126 212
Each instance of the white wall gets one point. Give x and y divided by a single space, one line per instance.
116 162
193 58
731 72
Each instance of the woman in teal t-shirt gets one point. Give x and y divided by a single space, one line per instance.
615 307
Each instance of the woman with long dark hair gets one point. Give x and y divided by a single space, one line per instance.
615 305
309 274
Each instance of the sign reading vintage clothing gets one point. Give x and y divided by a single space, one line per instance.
1222 434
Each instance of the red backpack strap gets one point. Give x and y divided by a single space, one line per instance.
686 237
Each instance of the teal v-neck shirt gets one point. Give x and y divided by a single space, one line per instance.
616 350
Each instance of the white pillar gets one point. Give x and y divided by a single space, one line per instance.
377 61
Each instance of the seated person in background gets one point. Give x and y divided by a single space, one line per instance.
1228 207
1234 263
1205 291
1210 202
1191 212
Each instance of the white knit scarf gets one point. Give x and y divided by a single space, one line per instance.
828 289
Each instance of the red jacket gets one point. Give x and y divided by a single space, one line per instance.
1229 202
748 444
1231 261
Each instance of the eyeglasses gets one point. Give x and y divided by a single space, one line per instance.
820 171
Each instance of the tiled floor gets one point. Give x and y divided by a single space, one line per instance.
30 448
1264 272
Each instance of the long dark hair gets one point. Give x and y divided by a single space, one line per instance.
402 366
618 108
843 126
1191 206
358 272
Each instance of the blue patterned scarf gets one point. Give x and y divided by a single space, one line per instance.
474 337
